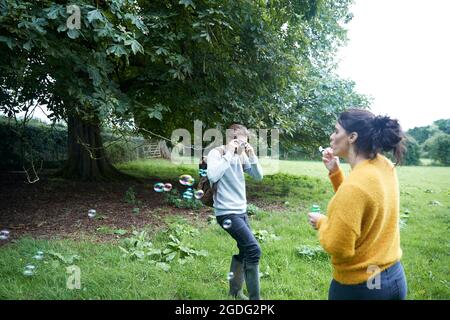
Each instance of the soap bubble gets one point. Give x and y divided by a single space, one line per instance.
186 180
92 213
321 149
187 194
158 187
4 235
167 187
198 194
39 255
29 270
226 224
230 276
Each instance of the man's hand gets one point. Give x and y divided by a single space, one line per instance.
313 218
249 150
232 145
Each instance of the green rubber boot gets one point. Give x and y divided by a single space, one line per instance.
252 280
236 279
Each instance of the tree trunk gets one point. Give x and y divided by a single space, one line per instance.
86 156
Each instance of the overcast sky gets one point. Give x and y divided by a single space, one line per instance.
399 53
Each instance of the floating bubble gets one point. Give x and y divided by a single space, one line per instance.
167 187
198 194
187 194
92 213
321 149
186 180
29 270
230 276
226 224
39 255
158 187
4 235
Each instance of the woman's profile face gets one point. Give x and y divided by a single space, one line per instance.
339 141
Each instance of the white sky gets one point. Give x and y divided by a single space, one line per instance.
399 53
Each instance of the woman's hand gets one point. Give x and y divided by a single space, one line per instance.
330 161
313 218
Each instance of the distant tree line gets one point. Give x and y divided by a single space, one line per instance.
431 142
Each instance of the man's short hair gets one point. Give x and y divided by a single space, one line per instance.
238 129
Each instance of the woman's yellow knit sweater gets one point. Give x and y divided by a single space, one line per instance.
361 228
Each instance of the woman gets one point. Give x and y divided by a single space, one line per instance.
361 229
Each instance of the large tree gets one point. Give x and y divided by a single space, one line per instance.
160 65
73 66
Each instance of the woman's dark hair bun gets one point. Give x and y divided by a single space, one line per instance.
375 133
386 133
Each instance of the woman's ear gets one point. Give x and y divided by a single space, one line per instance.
352 137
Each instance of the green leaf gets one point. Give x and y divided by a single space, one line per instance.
164 266
28 45
187 3
7 40
94 75
120 231
117 49
62 27
53 12
139 254
171 256
94 15
153 252
124 250
162 51
73 33
155 114
174 239
136 47
67 260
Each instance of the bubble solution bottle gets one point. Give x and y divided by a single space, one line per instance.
315 208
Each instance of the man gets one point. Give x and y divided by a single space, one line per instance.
226 167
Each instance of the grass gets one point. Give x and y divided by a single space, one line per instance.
105 274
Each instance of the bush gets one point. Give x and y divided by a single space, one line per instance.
39 141
175 199
36 142
122 150
412 157
438 148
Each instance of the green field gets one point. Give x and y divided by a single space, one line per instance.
106 274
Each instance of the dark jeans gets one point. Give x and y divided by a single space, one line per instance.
392 287
239 229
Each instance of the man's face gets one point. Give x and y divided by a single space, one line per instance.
242 139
